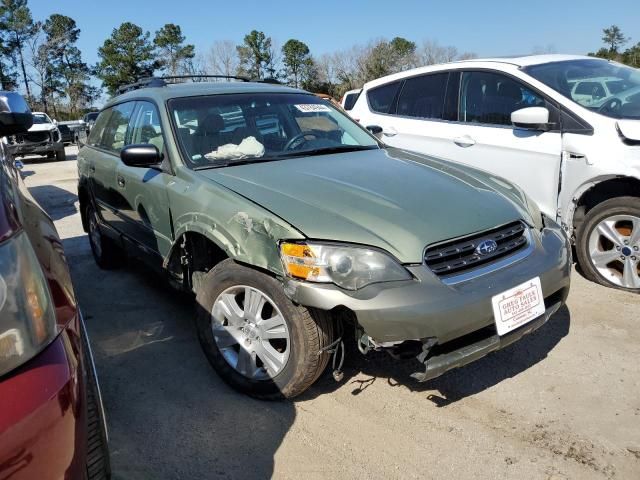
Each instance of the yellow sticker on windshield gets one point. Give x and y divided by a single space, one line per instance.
312 107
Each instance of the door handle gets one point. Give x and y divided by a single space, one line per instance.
390 132
120 180
92 168
464 141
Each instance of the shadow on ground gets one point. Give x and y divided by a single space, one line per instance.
59 202
459 383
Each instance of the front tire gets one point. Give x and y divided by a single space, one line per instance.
608 244
256 339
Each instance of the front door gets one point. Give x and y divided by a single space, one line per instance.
143 191
484 137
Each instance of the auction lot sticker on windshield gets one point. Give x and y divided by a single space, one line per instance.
517 306
312 107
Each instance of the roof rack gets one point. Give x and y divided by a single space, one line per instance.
198 77
163 81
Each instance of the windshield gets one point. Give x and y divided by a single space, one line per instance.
605 87
40 118
218 130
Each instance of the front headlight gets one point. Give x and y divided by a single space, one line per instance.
348 267
27 314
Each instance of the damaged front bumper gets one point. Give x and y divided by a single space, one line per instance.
438 361
440 314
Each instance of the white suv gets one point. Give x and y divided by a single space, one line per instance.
520 118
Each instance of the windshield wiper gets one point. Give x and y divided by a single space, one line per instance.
239 161
328 150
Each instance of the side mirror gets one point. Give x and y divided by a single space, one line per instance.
142 155
15 116
55 122
531 118
375 130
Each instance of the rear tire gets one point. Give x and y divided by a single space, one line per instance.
307 333
61 155
105 252
608 244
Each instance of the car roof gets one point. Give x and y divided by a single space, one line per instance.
528 60
513 62
177 90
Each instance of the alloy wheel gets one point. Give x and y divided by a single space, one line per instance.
250 332
614 248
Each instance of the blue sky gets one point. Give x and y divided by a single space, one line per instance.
487 28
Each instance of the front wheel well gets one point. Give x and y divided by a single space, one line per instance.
193 253
606 190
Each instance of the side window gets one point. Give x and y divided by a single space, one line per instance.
95 135
115 135
350 100
381 98
145 127
590 89
490 98
423 96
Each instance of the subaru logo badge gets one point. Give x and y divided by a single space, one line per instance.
486 247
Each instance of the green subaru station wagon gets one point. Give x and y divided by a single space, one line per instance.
292 225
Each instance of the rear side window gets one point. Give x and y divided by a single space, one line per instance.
423 96
381 98
95 136
350 100
115 135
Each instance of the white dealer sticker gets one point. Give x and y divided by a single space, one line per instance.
312 107
518 305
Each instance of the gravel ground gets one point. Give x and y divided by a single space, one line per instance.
562 403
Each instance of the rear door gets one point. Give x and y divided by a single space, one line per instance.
144 207
106 141
419 118
105 161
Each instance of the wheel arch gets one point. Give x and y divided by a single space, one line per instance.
199 247
597 191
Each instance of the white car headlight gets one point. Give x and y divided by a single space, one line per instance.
348 267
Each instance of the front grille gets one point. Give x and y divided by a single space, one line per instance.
459 255
33 137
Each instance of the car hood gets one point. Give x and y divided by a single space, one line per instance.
387 198
42 127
